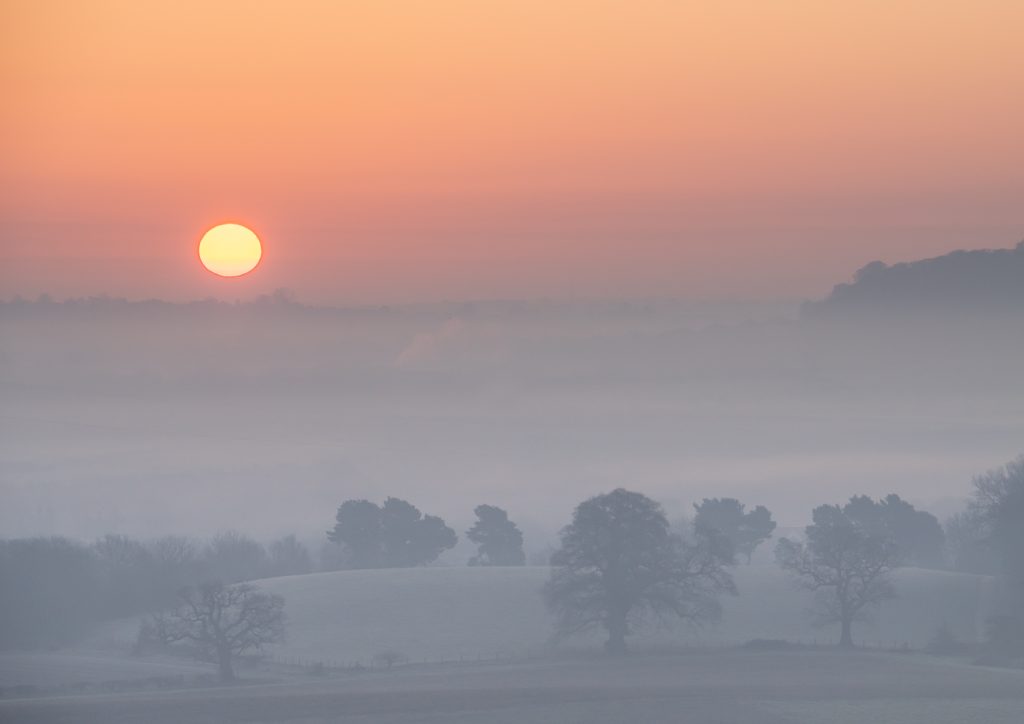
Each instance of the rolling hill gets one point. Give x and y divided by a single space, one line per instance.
462 613
451 613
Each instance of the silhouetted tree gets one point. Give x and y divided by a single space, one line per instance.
728 516
917 533
499 540
846 564
998 503
288 557
358 529
618 564
221 622
395 535
410 538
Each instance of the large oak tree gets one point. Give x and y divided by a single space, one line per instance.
221 622
619 565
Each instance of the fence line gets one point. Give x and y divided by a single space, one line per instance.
323 664
376 664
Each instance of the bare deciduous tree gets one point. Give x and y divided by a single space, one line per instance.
845 565
222 622
999 503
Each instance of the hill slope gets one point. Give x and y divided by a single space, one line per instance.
448 613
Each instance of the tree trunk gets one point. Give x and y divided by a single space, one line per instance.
616 625
846 639
227 671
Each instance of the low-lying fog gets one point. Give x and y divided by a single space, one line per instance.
150 418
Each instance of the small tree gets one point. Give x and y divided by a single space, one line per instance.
728 516
222 622
499 540
845 565
619 564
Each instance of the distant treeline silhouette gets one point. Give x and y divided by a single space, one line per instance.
961 281
618 564
52 590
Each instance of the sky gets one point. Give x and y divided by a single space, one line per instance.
420 151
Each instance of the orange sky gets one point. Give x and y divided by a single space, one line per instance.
399 151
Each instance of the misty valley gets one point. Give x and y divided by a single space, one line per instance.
511 362
519 511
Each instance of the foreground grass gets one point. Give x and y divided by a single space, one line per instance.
724 687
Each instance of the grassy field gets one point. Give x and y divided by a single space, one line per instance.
478 614
723 687
82 670
448 614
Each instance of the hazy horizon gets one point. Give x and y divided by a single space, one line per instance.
461 362
112 407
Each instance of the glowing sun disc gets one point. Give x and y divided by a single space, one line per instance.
230 250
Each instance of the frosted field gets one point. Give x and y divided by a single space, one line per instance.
724 687
452 613
448 614
84 667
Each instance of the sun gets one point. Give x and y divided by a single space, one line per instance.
230 250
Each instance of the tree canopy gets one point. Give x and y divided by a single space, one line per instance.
499 540
393 535
221 621
845 563
917 533
619 564
728 516
998 503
